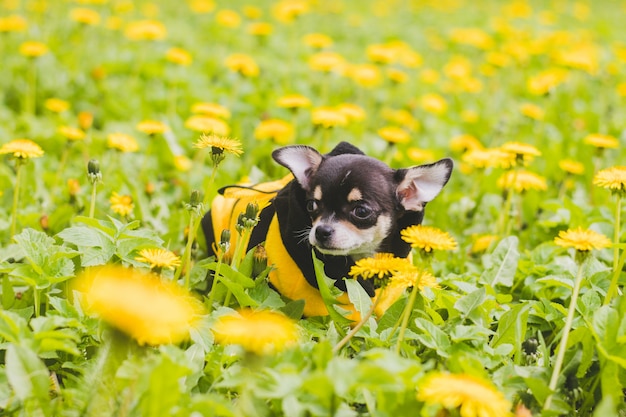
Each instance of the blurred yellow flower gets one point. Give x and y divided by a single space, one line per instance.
317 40
122 142
365 75
260 28
600 140
259 332
145 30
489 158
207 124
464 143
85 16
22 149
71 133
228 18
429 76
242 64
411 277
475 37
85 120
211 109
152 127
56 105
13 23
613 178
523 152
158 258
394 134
547 80
470 116
433 103
482 243
420 155
397 76
286 11
293 101
326 62
201 6
73 187
280 131
381 53
220 143
571 167
33 49
472 396
182 163
428 238
532 111
521 181
353 112
401 117
252 12
121 204
328 117
582 56
458 67
583 240
149 310
179 56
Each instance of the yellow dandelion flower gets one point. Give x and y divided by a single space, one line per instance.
228 18
433 103
293 101
211 109
489 158
532 111
122 142
474 397
365 75
242 64
394 134
121 204
73 187
85 120
13 23
381 265
613 178
260 332
252 12
286 11
353 112
418 155
22 149
411 277
600 140
207 124
85 16
328 117
429 76
521 181
482 243
33 49
71 133
145 30
260 29
465 142
397 76
179 56
326 62
280 131
522 151
149 310
475 37
224 144
159 258
381 53
546 81
317 40
201 6
56 105
583 240
152 127
470 116
428 238
401 117
571 167
182 163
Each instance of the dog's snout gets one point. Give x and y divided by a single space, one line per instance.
323 232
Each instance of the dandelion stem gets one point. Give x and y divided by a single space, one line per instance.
216 278
242 242
406 313
92 204
360 324
187 253
32 91
616 264
566 329
37 301
16 196
505 225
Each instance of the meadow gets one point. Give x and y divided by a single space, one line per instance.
120 120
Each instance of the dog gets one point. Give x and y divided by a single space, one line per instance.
342 206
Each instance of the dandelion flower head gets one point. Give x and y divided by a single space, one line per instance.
613 178
22 149
224 144
428 238
583 240
159 258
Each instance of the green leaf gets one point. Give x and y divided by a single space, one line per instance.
501 265
28 376
330 302
294 309
468 303
238 291
433 337
36 246
512 328
82 236
358 297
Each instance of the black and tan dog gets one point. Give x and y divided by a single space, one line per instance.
344 205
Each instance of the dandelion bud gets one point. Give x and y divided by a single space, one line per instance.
259 257
240 223
93 171
196 198
224 244
252 209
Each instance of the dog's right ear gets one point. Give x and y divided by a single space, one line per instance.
301 160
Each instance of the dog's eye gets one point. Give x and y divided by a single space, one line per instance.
311 206
362 212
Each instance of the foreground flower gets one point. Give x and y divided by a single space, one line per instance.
428 238
412 277
474 397
159 258
121 204
260 332
22 149
380 266
149 310
215 142
583 240
613 178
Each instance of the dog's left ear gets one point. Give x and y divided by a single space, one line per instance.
301 160
419 185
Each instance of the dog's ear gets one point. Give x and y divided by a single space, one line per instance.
301 160
344 148
420 184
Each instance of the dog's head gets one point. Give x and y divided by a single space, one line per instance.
355 201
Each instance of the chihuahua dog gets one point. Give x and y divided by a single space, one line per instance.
341 206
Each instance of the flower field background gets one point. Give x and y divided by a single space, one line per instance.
120 120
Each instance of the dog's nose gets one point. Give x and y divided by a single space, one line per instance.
323 232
